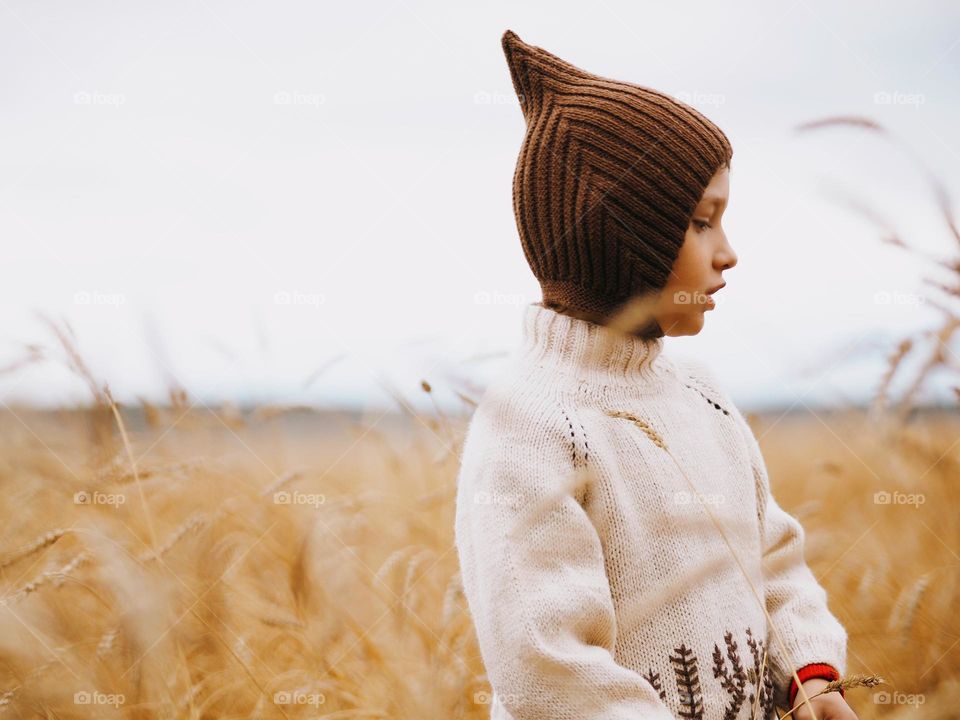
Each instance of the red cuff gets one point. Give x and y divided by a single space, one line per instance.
808 672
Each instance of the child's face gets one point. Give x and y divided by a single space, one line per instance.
704 255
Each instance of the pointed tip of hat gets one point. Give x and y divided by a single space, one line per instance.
527 64
511 41
516 49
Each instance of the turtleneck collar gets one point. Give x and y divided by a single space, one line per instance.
570 344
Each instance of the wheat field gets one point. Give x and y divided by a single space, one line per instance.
198 562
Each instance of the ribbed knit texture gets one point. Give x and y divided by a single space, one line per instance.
607 180
599 585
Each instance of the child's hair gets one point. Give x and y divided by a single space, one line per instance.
609 175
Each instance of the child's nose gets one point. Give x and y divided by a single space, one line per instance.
727 255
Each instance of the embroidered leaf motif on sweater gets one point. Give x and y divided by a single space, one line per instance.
728 667
732 680
654 679
688 683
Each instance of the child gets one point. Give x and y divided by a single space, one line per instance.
621 554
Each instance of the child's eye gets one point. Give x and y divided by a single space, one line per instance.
702 224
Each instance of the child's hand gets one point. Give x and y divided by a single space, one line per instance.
829 706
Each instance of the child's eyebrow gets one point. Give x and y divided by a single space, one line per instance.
714 200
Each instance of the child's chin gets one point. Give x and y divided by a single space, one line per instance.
689 323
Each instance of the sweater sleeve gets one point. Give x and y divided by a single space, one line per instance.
797 604
533 572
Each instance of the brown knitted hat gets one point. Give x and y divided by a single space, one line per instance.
608 177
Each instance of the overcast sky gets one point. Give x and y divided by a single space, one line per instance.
236 196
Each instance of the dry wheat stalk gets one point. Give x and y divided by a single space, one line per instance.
905 608
451 598
37 545
642 424
194 521
844 683
282 621
410 579
106 641
5 698
56 575
388 566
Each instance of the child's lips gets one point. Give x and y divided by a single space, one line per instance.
711 303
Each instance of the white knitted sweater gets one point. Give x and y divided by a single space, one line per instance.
596 476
